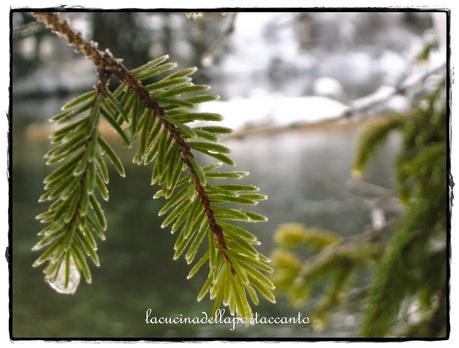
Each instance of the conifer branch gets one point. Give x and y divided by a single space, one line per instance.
158 116
69 233
104 61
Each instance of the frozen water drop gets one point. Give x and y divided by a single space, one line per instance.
58 283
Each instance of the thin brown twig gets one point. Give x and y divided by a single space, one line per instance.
371 102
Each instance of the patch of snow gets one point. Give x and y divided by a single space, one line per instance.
391 66
328 87
398 103
28 47
378 219
252 36
382 92
262 108
439 21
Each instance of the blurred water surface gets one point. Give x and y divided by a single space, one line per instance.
137 269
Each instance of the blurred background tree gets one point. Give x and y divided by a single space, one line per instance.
395 272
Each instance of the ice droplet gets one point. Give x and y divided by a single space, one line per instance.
58 283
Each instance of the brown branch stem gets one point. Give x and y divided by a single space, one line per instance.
104 61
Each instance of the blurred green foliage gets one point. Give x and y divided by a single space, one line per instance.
407 263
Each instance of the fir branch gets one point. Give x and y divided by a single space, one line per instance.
68 238
158 115
373 137
106 62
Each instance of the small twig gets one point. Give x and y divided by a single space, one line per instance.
355 200
217 46
384 200
399 89
368 187
356 296
291 20
28 29
369 236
